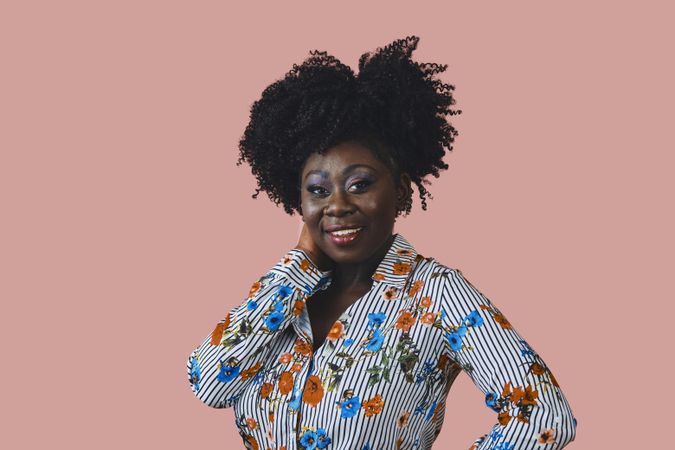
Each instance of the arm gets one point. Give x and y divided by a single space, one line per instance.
532 412
229 357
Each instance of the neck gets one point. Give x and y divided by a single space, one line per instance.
359 275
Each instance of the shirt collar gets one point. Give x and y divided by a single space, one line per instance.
396 265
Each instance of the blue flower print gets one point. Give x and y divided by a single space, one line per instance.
347 342
376 319
366 447
491 400
323 438
526 351
432 408
309 440
279 306
295 400
474 319
283 292
496 434
323 283
455 341
195 373
375 342
350 407
251 305
461 331
504 446
227 373
258 378
273 320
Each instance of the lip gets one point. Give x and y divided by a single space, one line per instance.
344 241
331 228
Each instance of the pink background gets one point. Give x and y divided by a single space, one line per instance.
128 231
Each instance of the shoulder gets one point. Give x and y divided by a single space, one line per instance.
450 288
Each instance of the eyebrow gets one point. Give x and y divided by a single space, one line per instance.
346 170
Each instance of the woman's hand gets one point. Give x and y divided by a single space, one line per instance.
318 257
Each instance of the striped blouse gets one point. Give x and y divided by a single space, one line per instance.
381 377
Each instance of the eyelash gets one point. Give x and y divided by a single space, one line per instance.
312 189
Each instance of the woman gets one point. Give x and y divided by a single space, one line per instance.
353 339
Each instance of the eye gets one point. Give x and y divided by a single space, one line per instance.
317 190
360 185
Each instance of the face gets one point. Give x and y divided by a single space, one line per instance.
349 187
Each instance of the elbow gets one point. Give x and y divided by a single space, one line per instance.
198 385
562 432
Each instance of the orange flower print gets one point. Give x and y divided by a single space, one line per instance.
501 320
298 306
378 276
417 285
285 358
507 389
401 268
373 406
443 360
522 417
304 265
266 390
313 392
428 318
529 396
484 307
336 331
403 419
546 436
537 369
285 382
251 423
399 442
296 367
390 293
217 333
270 415
405 321
303 347
403 252
437 414
474 446
251 371
553 380
425 302
254 288
252 442
504 418
287 260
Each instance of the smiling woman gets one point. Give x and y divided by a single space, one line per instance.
353 339
349 203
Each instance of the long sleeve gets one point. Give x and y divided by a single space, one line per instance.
532 412
231 355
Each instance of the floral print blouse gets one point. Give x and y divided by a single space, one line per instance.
381 377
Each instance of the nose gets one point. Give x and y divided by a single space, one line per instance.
339 204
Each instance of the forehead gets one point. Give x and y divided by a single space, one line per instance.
341 156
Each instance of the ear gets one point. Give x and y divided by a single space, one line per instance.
404 185
403 193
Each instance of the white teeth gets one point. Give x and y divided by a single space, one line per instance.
346 232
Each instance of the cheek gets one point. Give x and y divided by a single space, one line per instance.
311 211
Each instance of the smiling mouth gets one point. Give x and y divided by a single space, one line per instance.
345 237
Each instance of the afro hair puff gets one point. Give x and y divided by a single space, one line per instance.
394 106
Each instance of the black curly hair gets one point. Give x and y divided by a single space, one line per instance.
394 107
